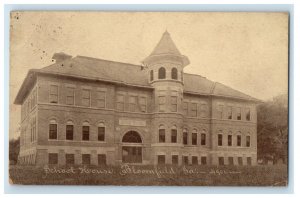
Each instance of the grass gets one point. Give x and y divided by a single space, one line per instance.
151 175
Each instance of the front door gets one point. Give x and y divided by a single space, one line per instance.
132 148
131 154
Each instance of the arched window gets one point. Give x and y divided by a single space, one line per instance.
151 75
174 73
239 139
162 73
194 137
86 131
203 137
53 129
161 134
132 137
229 138
174 134
185 136
101 131
69 130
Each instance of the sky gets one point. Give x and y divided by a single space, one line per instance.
246 51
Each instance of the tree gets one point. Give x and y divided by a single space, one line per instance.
272 129
14 149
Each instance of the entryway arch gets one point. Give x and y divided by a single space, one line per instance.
132 147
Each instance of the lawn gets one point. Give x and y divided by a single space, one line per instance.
151 175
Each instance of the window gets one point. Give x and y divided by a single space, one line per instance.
174 73
230 161
161 73
175 159
185 108
203 110
185 160
247 141
185 137
194 138
203 160
132 103
33 129
203 139
220 111
239 140
240 161
132 137
161 159
86 159
101 99
220 139
221 161
86 97
193 109
143 104
174 135
229 140
70 95
151 75
101 133
249 161
53 158
69 132
101 159
162 135
53 95
194 160
85 132
70 159
229 113
247 111
174 103
120 102
161 103
238 113
53 130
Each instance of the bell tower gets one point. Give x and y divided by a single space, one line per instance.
165 66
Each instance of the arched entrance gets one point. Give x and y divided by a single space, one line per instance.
132 148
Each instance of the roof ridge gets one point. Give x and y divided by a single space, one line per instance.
195 75
99 59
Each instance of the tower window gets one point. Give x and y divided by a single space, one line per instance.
174 73
162 73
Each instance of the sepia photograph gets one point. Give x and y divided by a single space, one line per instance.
148 98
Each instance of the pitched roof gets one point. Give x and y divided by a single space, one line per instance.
165 46
128 74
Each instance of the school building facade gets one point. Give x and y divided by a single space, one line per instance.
83 110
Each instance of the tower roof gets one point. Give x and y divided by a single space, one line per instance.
166 50
165 46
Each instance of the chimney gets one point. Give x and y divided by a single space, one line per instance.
61 56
